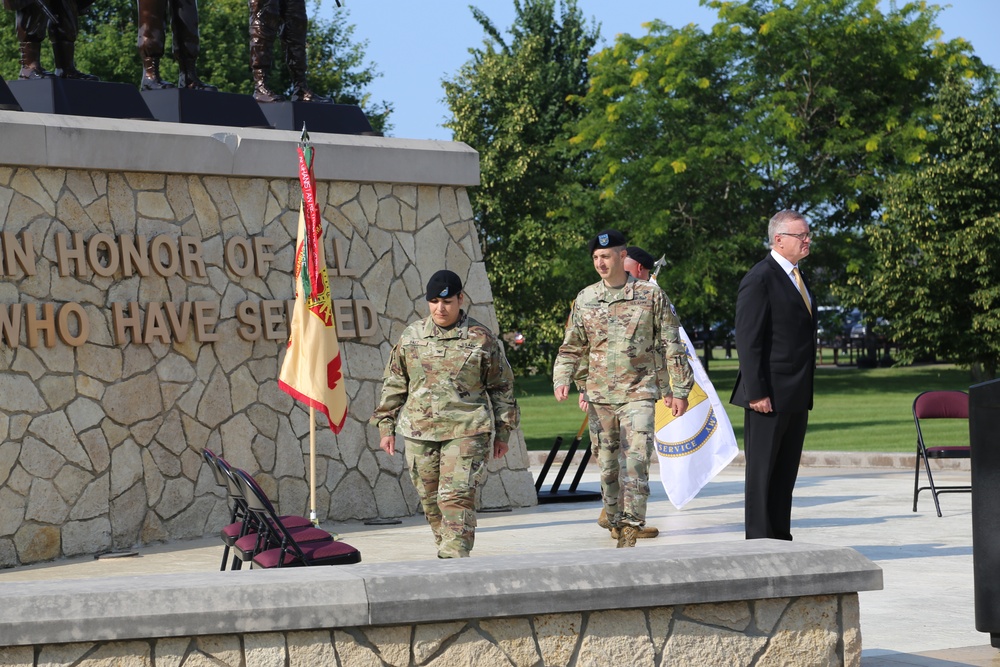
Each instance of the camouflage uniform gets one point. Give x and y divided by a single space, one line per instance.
446 391
628 342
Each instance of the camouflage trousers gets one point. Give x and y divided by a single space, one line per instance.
446 475
621 436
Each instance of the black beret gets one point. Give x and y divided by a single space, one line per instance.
443 284
644 259
609 238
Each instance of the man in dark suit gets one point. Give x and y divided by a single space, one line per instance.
776 342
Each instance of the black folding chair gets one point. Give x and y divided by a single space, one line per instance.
237 515
938 405
289 552
241 521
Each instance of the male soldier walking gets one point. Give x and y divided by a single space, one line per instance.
447 388
625 332
639 264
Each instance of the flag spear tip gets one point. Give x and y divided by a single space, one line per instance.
304 139
659 264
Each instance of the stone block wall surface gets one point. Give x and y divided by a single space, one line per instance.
113 379
814 630
762 602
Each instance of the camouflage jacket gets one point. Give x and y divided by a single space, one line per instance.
629 343
443 384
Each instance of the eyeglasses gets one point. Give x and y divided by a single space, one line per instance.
803 236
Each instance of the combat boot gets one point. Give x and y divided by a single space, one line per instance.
260 67
151 75
188 78
31 62
261 91
301 92
63 54
628 535
646 532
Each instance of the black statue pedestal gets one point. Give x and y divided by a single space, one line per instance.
80 98
318 117
204 107
7 100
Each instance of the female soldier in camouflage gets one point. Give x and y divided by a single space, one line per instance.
448 390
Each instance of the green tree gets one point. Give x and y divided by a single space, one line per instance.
510 102
107 47
936 248
696 138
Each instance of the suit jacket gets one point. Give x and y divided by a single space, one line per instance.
775 339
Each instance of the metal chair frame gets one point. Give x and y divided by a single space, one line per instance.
938 405
244 534
290 551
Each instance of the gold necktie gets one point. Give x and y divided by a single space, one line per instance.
802 288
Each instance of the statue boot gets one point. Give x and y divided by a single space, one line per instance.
261 60
188 78
151 75
62 53
302 93
31 63
297 68
261 91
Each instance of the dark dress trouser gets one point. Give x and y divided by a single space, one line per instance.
773 443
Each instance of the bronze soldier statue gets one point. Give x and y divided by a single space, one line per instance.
152 35
267 19
33 18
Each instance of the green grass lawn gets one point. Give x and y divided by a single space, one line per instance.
854 409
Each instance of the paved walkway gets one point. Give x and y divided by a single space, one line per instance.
925 616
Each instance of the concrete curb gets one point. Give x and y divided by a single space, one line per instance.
882 460
510 585
58 141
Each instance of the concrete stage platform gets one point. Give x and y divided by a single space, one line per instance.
924 616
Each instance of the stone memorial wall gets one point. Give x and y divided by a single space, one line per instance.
144 305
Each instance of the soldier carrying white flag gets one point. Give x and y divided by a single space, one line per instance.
696 446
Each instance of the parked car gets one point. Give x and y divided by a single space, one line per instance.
859 330
833 324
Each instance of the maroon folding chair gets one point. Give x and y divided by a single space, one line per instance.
242 522
266 532
290 552
938 405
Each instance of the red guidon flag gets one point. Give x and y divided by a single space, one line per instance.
312 371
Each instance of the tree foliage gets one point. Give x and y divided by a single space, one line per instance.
696 138
936 248
510 102
107 48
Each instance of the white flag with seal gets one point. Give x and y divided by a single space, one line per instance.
695 447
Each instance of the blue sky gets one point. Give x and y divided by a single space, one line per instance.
417 43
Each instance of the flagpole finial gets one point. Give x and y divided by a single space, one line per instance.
304 139
659 264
